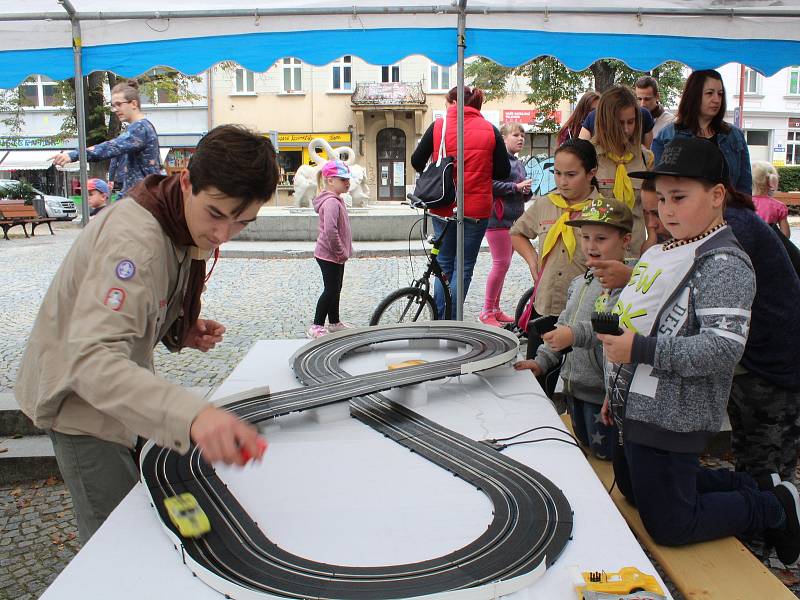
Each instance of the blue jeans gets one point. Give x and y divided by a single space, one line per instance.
473 236
681 502
590 429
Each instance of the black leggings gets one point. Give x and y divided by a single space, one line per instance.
328 303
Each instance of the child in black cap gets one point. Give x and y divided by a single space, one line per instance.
685 314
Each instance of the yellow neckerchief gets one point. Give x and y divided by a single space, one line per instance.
560 227
623 188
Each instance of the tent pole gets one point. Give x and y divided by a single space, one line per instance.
462 18
80 107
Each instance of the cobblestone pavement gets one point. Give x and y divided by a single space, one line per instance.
255 299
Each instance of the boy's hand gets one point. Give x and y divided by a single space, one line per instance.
221 437
205 335
612 274
605 413
531 365
561 337
618 347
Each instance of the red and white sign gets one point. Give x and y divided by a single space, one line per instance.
527 116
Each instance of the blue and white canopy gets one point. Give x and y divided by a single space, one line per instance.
36 35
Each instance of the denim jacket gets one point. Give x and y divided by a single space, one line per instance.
733 147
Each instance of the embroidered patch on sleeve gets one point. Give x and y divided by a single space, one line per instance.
115 298
126 269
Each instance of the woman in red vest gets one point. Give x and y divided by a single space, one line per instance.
485 159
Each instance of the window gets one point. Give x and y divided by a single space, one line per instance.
292 75
440 78
752 82
794 81
390 74
38 91
793 147
757 138
160 93
244 81
341 74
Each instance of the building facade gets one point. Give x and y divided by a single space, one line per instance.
380 111
771 112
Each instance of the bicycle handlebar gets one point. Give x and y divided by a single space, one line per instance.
415 200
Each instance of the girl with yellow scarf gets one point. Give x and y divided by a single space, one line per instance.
617 140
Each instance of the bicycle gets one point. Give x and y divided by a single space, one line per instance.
415 302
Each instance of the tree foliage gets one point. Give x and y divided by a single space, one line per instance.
551 82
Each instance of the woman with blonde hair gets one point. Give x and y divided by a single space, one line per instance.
617 140
135 149
765 182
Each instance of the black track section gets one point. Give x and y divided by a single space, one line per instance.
532 519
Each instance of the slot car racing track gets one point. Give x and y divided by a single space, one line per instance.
531 523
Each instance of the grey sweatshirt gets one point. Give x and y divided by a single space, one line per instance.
582 371
692 368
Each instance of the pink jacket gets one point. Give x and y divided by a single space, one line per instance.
334 240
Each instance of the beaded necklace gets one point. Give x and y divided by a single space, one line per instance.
669 245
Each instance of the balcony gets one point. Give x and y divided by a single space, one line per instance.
389 95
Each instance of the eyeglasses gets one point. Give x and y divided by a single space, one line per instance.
118 104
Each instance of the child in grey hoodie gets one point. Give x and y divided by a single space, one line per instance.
686 313
605 234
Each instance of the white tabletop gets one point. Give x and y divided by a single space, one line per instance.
334 490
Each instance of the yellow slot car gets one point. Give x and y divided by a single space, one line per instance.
186 514
413 362
602 584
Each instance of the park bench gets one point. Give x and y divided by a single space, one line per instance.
19 213
722 569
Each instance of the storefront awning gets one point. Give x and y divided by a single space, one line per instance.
31 160
164 151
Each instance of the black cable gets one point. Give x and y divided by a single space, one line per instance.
511 437
547 439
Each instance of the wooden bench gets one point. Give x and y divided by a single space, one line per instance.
719 570
19 213
788 198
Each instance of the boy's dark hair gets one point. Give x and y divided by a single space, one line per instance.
238 162
647 82
733 197
648 185
688 116
584 151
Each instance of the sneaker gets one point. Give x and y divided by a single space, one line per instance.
488 318
768 482
339 326
503 317
787 540
316 331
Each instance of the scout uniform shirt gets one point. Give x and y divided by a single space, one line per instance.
556 272
606 171
88 365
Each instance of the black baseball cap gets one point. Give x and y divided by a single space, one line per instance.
692 157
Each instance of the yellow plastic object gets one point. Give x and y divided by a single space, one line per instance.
186 514
406 363
627 580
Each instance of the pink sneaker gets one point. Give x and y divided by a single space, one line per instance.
503 317
332 327
316 331
488 318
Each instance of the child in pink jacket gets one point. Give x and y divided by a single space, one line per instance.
334 245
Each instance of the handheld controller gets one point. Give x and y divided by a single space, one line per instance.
606 322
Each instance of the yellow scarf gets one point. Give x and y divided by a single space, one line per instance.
560 227
623 188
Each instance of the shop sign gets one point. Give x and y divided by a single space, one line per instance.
794 122
29 142
304 138
527 116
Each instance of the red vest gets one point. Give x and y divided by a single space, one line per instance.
479 143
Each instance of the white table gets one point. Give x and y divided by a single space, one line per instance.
332 489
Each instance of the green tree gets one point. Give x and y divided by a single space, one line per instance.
551 82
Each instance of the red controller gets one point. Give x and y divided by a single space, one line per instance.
262 447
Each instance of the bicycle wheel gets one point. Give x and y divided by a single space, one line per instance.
405 305
523 302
